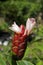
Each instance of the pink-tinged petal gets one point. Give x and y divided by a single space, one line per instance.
30 25
22 27
15 28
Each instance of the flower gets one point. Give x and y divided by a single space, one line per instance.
15 28
30 23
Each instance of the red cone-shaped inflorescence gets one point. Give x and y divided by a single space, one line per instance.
19 42
21 33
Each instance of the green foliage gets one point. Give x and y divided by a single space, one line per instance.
3 25
24 62
2 62
40 63
19 11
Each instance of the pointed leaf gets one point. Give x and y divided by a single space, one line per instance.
2 61
24 62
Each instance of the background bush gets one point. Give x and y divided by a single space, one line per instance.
19 11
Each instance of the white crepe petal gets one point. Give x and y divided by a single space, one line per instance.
15 28
30 24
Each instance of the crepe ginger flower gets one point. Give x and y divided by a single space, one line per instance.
19 42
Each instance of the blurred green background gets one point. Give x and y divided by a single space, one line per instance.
19 11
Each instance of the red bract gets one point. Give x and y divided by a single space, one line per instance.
18 42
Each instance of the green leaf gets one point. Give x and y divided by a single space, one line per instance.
2 60
24 62
9 60
26 52
40 63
